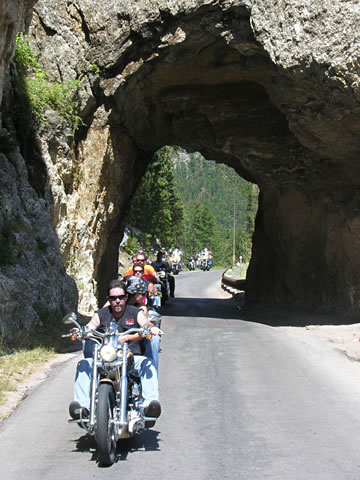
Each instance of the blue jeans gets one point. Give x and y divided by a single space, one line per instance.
152 349
143 368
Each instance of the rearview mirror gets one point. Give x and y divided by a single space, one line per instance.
71 318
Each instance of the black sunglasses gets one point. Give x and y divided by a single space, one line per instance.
115 297
138 271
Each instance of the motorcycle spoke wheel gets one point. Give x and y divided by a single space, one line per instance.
105 429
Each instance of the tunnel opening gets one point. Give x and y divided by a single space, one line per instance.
235 123
209 80
194 203
221 106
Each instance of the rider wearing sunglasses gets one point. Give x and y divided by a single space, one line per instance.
149 271
126 317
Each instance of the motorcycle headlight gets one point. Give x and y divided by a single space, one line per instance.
108 353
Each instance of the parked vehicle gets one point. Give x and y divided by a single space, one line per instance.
115 397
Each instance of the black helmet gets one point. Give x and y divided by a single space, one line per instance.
136 285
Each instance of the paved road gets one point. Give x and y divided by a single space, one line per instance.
240 400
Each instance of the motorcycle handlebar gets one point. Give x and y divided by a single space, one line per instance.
81 334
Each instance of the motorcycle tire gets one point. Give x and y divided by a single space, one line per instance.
105 433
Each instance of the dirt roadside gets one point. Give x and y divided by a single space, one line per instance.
23 388
328 328
342 337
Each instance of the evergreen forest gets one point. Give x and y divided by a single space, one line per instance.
195 203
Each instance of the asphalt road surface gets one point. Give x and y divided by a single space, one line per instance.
240 400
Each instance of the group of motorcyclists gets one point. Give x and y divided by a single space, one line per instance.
145 285
128 301
203 260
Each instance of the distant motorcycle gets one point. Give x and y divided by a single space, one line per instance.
205 265
175 268
191 264
165 287
115 411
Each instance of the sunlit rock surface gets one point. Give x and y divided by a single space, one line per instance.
270 88
34 288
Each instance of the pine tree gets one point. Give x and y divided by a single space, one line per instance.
156 208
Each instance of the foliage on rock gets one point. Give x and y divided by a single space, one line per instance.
38 93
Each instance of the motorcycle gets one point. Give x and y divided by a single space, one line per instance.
204 265
115 394
175 268
191 264
165 287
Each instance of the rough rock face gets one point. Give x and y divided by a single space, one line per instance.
34 287
269 87
15 16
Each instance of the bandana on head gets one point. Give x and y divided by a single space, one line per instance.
137 285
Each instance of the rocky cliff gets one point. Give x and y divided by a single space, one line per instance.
34 287
268 87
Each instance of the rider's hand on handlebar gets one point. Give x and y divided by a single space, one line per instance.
156 331
123 339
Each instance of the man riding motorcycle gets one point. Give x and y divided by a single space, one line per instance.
161 265
126 317
149 271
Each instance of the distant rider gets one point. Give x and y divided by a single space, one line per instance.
149 271
162 265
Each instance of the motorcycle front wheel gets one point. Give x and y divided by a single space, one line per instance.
105 429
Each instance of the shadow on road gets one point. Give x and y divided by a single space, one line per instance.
146 441
201 307
235 308
86 443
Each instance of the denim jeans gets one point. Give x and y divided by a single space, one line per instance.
152 349
143 367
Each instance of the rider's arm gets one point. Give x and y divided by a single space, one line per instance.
143 320
94 323
133 337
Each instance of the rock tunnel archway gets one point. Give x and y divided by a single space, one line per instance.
223 79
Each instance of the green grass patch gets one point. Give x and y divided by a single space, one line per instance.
17 365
